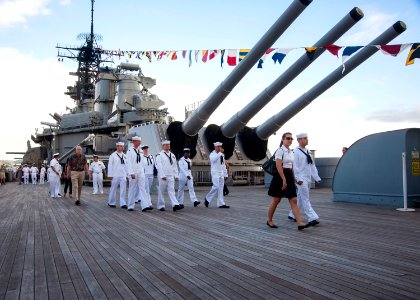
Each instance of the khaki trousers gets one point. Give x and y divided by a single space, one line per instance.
77 182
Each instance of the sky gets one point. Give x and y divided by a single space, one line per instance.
380 95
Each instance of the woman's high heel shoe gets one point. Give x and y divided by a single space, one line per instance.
301 227
272 226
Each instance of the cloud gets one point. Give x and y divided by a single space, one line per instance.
396 114
372 25
65 2
33 88
13 12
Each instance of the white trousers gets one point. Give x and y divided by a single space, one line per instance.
217 188
122 183
42 178
189 182
26 178
304 202
98 182
137 187
57 186
169 186
149 182
53 185
34 179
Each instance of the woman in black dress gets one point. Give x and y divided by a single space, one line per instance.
283 182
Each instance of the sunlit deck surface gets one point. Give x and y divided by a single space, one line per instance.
51 248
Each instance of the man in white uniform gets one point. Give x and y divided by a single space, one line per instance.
185 178
304 170
218 175
149 167
97 171
42 175
137 180
25 171
117 170
54 175
167 173
34 173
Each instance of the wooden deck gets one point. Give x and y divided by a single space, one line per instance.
52 249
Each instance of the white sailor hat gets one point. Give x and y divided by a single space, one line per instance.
144 147
301 135
187 150
166 142
95 155
120 144
56 154
136 138
216 144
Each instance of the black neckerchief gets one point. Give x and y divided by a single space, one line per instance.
169 156
188 163
221 159
308 157
149 160
121 158
138 155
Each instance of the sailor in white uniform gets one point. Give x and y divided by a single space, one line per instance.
58 182
304 170
97 171
42 175
25 172
117 170
167 173
218 175
149 167
34 173
136 177
54 175
186 179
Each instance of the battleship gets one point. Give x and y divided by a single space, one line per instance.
115 103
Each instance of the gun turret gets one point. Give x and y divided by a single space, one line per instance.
185 134
227 132
254 140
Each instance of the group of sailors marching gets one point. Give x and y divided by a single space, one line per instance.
32 173
139 167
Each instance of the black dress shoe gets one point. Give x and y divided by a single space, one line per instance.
144 209
301 227
124 206
176 207
181 206
162 209
291 219
149 208
313 223
113 206
130 209
196 203
77 202
272 226
206 203
224 206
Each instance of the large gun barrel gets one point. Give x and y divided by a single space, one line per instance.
254 141
241 118
185 134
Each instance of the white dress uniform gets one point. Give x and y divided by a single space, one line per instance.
97 169
218 174
185 171
304 171
58 182
53 177
149 166
25 171
117 169
167 167
137 185
42 175
34 173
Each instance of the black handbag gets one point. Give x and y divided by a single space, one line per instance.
270 165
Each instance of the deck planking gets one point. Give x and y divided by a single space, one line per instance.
50 248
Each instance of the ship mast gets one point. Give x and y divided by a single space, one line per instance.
88 57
